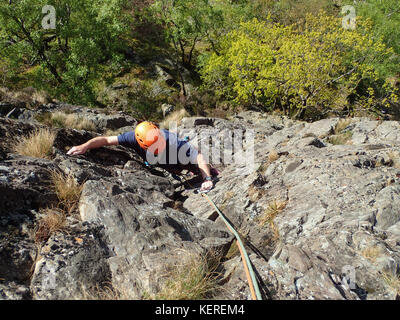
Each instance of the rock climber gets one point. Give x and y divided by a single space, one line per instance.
158 147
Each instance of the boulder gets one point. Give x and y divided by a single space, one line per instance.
145 234
72 266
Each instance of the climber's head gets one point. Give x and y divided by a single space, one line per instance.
150 137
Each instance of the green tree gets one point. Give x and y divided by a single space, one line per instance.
317 65
385 18
187 22
66 61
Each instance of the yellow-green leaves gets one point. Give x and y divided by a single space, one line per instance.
318 64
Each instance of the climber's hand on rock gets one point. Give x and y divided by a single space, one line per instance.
207 186
77 150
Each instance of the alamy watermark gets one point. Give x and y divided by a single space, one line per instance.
216 146
49 20
348 21
349 277
350 18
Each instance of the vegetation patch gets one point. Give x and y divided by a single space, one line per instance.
371 253
196 278
51 221
393 281
274 208
174 119
342 133
295 67
67 189
66 120
38 144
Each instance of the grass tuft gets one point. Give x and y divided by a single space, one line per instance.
174 119
65 120
195 278
341 136
371 253
393 281
67 190
104 292
38 144
274 208
52 220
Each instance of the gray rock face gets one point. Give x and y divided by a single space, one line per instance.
71 266
338 234
145 235
319 216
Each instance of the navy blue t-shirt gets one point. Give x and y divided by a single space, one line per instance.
177 151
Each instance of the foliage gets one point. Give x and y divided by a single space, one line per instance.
277 54
187 22
385 19
293 11
297 67
66 60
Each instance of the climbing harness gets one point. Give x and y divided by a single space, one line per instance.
254 289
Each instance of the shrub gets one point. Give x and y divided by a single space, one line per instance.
299 67
86 44
385 19
38 144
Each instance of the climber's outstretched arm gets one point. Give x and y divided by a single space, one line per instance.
205 169
203 166
94 143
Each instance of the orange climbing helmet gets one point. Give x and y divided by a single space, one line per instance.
149 137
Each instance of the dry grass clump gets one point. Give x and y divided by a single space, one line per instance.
28 96
393 281
274 208
37 144
342 125
255 193
394 157
371 253
273 156
233 251
341 136
52 220
67 190
66 120
111 132
174 119
196 278
340 139
104 292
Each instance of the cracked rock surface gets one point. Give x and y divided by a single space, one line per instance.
318 209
